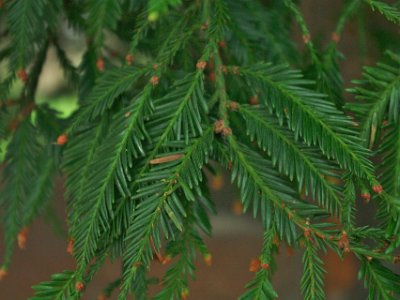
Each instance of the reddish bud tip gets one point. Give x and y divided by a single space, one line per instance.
237 207
101 297
208 259
129 59
254 100
22 238
377 188
235 70
100 65
201 65
233 105
62 139
255 265
3 273
306 38
344 242
204 26
217 182
211 76
335 37
70 246
222 44
184 294
79 286
265 266
166 260
154 80
366 196
22 75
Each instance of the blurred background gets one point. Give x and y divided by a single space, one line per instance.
237 238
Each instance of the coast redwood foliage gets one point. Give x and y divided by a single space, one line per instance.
168 89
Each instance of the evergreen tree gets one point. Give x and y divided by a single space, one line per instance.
194 82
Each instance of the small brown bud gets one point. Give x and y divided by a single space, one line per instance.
129 59
3 273
201 65
222 44
237 207
204 26
166 260
255 265
62 139
70 246
102 297
344 242
226 131
211 76
208 259
79 286
22 238
154 80
377 188
307 233
235 70
185 294
219 126
254 100
335 37
217 182
22 75
276 240
366 196
265 266
100 65
306 38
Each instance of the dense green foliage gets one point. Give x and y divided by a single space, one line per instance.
193 82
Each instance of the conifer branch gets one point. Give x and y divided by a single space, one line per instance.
61 286
161 198
102 15
391 12
382 283
377 91
260 287
294 104
292 158
111 85
124 139
24 19
20 168
135 153
312 282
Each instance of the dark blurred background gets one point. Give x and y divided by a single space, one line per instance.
237 238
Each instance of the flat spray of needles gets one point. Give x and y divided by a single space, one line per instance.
193 85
